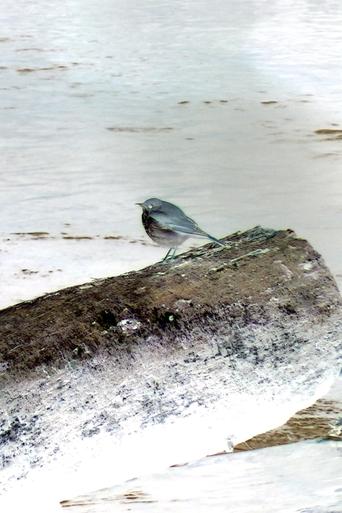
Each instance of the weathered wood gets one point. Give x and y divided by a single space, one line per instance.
192 345
264 277
321 420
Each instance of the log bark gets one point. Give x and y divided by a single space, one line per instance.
198 344
264 277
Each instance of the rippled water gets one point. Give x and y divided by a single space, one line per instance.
216 106
93 119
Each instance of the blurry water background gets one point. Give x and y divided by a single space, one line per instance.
93 120
231 109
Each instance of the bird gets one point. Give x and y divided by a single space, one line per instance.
168 226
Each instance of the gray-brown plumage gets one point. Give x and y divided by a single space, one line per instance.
168 226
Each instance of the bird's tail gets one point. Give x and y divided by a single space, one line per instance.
215 240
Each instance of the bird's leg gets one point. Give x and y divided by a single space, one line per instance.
167 254
170 255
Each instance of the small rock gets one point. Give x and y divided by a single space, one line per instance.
129 325
182 304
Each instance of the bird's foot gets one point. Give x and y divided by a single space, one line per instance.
170 255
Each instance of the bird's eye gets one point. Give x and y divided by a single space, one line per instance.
150 206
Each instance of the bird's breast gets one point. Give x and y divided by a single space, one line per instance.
161 235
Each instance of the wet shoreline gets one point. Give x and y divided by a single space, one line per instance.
318 423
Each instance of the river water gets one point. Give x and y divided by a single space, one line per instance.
233 110
252 482
93 120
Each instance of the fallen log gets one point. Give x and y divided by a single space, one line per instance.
263 277
231 340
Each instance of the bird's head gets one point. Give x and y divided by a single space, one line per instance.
150 204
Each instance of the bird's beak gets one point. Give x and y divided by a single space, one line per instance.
140 204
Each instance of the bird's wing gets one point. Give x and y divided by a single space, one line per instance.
180 224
